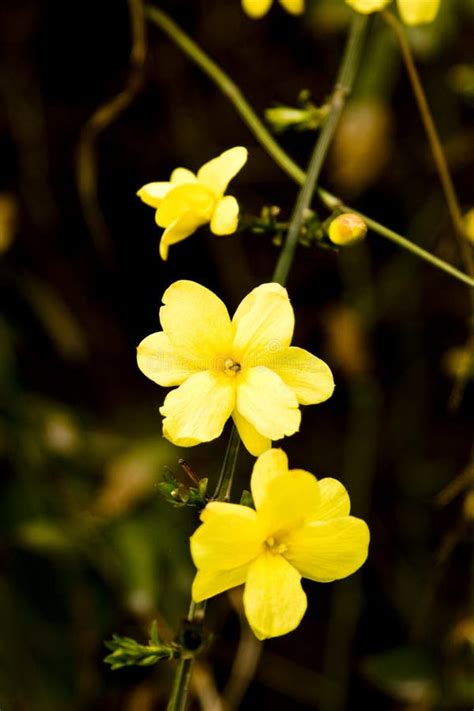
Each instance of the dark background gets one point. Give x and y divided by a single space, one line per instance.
88 547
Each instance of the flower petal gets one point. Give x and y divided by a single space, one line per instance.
269 465
229 538
267 403
152 194
264 324
328 550
289 500
208 583
197 323
295 7
198 410
334 502
183 176
274 601
182 227
218 172
185 198
225 217
158 360
256 8
417 12
308 376
254 442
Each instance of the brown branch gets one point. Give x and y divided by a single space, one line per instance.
105 114
447 185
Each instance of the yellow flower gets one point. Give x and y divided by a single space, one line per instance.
259 8
412 12
418 12
188 201
301 528
244 368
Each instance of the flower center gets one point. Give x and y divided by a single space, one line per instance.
274 546
231 367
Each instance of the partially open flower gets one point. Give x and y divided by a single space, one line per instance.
259 8
412 12
242 368
189 201
301 528
347 229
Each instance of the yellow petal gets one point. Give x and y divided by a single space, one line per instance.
254 442
182 176
158 360
308 376
225 217
267 403
152 194
328 550
264 324
218 172
222 508
367 6
334 501
228 538
269 465
295 7
417 12
198 410
288 501
197 323
179 229
256 8
182 199
208 583
274 601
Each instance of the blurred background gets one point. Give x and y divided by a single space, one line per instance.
88 546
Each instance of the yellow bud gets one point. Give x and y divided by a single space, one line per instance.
347 229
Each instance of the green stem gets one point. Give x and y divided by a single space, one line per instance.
224 485
179 693
411 246
343 87
232 91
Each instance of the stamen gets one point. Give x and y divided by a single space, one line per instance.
275 547
231 367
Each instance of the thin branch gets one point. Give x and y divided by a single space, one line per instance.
342 89
447 185
434 141
107 113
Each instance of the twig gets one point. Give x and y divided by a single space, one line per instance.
342 88
109 111
446 183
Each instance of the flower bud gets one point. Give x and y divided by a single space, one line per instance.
347 229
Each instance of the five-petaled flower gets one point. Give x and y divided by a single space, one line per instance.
189 201
259 8
301 528
244 367
412 12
